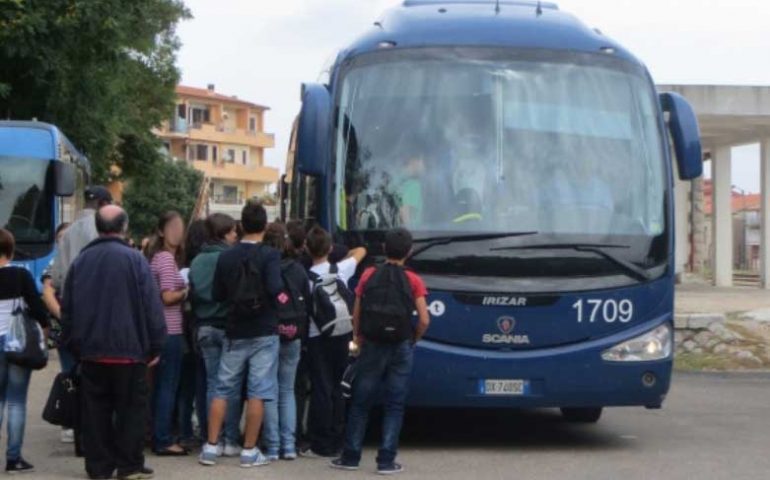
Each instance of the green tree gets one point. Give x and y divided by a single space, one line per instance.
102 70
165 186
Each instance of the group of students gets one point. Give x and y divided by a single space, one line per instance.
230 317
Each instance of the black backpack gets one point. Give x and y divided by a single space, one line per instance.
387 305
332 303
249 297
292 311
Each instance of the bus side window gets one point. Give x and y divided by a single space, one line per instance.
303 197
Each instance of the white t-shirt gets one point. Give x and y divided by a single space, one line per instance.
345 271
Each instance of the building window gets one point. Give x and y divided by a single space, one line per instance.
200 115
230 155
229 195
244 157
214 153
201 152
181 110
252 124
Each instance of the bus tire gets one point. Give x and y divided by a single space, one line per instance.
582 415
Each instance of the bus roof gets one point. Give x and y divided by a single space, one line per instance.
465 23
14 142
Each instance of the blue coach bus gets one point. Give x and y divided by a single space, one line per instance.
42 180
530 156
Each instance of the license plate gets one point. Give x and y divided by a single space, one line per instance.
503 387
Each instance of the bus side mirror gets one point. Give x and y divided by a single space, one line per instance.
683 125
313 136
64 179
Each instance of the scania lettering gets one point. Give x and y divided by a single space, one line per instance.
534 161
42 182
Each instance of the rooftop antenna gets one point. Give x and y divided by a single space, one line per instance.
539 8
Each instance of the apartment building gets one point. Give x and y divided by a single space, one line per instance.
223 137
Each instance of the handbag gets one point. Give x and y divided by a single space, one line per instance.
62 406
25 342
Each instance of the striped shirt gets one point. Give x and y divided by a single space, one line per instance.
168 278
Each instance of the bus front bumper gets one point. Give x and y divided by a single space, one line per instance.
570 376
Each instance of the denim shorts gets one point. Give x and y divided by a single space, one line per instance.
257 356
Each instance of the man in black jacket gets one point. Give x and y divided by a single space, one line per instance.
112 320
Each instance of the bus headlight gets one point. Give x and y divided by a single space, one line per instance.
653 345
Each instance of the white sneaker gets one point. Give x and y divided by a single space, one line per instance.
67 436
253 458
208 456
231 450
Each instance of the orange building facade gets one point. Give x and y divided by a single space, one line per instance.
224 138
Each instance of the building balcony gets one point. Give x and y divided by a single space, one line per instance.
227 200
236 171
215 133
209 132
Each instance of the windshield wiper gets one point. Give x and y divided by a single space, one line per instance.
435 241
632 270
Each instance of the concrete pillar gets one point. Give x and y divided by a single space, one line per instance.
764 213
722 216
682 222
700 241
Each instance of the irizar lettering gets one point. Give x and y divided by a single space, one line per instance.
505 301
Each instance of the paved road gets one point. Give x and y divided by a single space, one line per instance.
713 426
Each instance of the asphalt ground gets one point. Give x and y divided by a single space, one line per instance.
712 426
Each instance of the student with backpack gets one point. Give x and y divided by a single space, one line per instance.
281 416
386 298
329 337
210 321
248 279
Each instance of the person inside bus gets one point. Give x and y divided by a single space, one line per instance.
409 187
468 205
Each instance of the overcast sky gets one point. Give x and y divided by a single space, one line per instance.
263 50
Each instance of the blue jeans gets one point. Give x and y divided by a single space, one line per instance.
257 358
281 416
212 342
167 375
381 368
14 384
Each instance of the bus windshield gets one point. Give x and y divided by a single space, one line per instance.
491 140
25 199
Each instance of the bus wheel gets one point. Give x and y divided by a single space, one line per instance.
582 415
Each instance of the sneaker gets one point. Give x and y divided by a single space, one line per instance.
18 466
208 456
67 436
231 450
389 469
143 474
289 455
310 453
341 464
253 458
